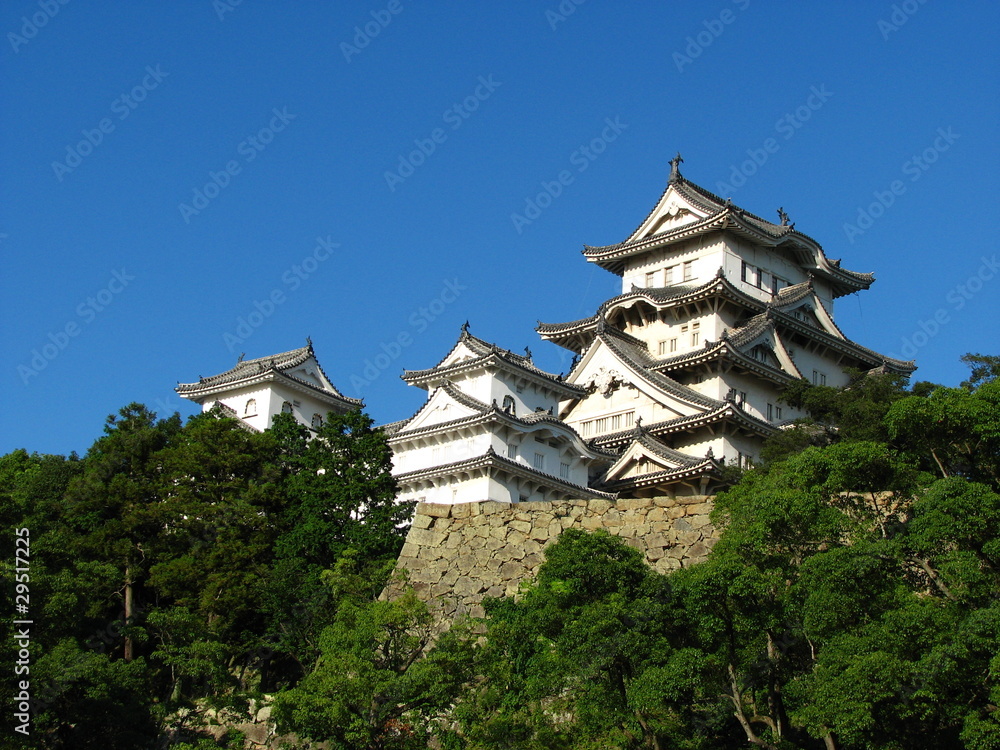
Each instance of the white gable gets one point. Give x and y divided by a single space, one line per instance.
440 407
671 212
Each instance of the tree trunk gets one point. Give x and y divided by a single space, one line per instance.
129 613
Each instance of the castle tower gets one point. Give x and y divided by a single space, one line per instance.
256 389
719 310
489 431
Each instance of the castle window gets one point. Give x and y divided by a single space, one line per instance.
662 348
741 398
819 378
539 461
770 412
601 425
511 450
777 284
317 421
564 470
777 412
251 408
688 270
672 345
695 334
508 405
650 278
668 275
286 408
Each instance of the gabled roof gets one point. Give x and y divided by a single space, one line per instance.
674 465
447 391
483 414
658 297
727 349
481 355
220 409
721 215
726 412
639 361
274 368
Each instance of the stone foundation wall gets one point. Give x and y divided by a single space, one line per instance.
458 554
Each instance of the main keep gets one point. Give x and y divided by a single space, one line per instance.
674 377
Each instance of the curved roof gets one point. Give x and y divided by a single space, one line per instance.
487 355
722 215
250 371
492 460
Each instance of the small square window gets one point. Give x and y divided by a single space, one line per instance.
688 270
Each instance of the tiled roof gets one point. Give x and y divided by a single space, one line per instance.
251 369
484 413
488 353
637 356
491 458
657 296
727 410
665 477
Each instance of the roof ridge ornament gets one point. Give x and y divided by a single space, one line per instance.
675 168
465 327
638 431
309 342
240 358
783 217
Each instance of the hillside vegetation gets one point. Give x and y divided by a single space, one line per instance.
852 601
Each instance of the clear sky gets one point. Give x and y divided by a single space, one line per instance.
186 181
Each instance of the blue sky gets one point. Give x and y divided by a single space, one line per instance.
349 171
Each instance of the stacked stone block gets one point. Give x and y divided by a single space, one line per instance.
458 554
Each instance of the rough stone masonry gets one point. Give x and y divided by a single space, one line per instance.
458 554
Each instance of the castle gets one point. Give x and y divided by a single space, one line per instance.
676 376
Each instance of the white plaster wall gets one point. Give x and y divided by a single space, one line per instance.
704 251
452 448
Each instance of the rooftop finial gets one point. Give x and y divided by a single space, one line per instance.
783 217
240 358
675 167
527 352
465 327
309 341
